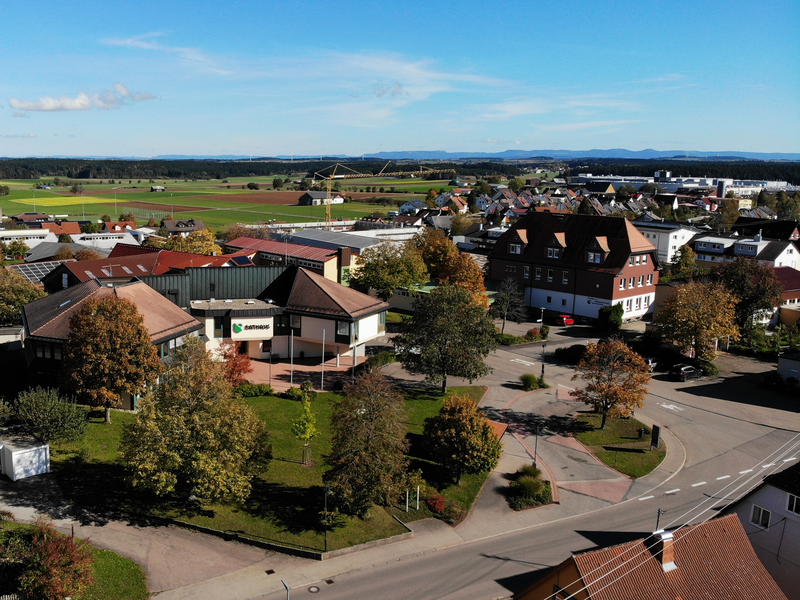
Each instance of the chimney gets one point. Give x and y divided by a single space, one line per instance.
758 236
661 547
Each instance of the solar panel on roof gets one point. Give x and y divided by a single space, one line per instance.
241 260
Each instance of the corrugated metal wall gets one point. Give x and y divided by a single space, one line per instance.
203 283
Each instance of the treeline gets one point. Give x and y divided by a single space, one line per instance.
742 169
35 168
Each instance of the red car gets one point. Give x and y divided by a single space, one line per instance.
566 320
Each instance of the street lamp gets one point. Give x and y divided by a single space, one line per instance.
327 493
544 346
536 446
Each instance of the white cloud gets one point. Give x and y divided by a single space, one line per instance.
19 135
190 56
106 100
18 115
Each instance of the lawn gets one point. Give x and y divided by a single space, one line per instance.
287 499
115 577
619 446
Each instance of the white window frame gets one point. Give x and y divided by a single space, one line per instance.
622 283
641 281
515 248
526 272
549 274
757 516
565 277
644 259
793 505
538 273
649 279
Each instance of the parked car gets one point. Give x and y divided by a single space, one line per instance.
683 372
565 320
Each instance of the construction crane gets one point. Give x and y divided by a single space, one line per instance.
348 173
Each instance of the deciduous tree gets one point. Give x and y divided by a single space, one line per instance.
191 437
461 438
435 248
18 248
305 429
50 416
508 303
616 379
755 287
237 363
448 334
697 315
64 253
87 254
461 270
387 267
367 458
108 353
202 241
683 265
15 292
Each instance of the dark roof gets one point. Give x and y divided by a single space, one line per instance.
714 559
181 226
787 480
538 230
303 291
788 277
49 317
768 228
131 250
35 272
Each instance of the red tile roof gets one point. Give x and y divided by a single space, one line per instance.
132 250
788 277
114 226
714 560
68 227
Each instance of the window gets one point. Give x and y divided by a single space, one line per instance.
644 259
552 252
641 280
794 504
343 328
631 282
549 274
630 261
638 302
549 299
565 277
281 325
382 321
538 273
526 272
594 257
294 323
650 279
628 305
622 283
511 269
56 351
563 302
515 248
638 259
646 301
222 327
760 517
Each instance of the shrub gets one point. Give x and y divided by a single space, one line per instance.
453 512
306 386
571 355
709 368
533 334
529 471
527 489
251 390
529 486
294 393
436 503
506 339
542 384
529 382
545 331
381 358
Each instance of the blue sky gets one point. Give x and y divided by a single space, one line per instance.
352 77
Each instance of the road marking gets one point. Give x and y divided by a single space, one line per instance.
673 491
723 477
672 407
788 459
701 483
743 472
767 465
646 498
523 362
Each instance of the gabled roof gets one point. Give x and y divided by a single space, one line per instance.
788 277
34 272
46 250
49 317
714 559
304 292
124 267
31 216
282 248
132 250
181 226
68 227
112 226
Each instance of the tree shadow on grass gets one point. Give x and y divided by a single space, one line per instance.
526 424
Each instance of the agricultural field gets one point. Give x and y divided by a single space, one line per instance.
216 203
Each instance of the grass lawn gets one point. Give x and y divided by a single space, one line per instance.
619 446
287 499
115 577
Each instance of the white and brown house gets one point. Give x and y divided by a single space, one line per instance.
576 264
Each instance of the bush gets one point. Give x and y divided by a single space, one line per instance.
533 334
381 358
545 331
529 471
251 390
522 502
528 490
708 368
571 355
610 317
294 393
453 512
506 339
529 382
436 503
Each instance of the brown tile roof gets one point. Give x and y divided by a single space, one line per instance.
498 428
303 291
113 226
714 561
282 248
105 268
68 227
788 277
575 234
49 317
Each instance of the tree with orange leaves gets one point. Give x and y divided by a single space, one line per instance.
616 377
237 363
462 271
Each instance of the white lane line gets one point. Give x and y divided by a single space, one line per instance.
723 477
523 362
743 472
701 483
788 459
646 498
673 491
768 465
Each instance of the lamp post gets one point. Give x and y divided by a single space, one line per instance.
544 346
327 493
536 447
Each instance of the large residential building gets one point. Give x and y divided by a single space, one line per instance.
713 249
666 236
576 264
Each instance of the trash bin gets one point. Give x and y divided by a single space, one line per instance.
642 431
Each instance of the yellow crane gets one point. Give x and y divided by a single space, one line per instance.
333 172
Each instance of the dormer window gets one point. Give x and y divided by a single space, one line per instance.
553 252
515 248
594 257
